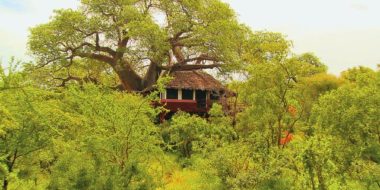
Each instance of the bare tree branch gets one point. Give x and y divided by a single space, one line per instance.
99 57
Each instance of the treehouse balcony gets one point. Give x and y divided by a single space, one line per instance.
189 106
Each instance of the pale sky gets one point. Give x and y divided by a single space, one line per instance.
343 33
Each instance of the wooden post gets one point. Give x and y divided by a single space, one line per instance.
179 94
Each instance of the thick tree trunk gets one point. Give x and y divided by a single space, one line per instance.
151 75
129 79
178 54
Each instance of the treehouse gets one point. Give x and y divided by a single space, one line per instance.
192 92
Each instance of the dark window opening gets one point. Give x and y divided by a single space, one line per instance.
187 95
172 94
201 98
214 95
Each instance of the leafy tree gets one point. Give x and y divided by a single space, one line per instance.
274 99
138 39
313 87
358 75
234 166
264 47
191 133
76 138
114 146
244 164
349 115
29 121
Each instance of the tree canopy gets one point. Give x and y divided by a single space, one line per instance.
138 39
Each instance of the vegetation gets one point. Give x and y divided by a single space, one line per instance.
65 124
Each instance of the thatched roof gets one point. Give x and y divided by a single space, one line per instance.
195 80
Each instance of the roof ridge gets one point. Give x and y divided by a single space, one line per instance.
195 79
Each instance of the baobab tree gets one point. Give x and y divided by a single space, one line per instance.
140 39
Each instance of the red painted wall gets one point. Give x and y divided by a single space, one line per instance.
184 105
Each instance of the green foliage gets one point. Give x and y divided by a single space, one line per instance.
88 136
190 133
9 77
30 119
96 137
359 75
264 46
297 127
276 98
185 131
123 37
116 141
350 115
